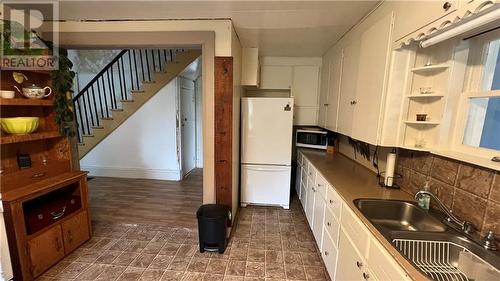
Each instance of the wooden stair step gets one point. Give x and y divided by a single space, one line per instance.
88 136
97 127
148 82
137 91
117 109
126 100
106 118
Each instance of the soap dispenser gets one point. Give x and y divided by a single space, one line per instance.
424 201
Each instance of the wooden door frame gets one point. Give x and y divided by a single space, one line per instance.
166 39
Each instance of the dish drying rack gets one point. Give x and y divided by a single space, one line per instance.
433 258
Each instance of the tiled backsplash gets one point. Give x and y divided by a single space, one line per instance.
472 192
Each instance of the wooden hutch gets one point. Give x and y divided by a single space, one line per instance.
45 205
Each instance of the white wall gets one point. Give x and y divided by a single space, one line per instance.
144 146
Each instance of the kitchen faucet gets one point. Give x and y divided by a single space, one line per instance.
465 226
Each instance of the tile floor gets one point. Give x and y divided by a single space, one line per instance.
267 244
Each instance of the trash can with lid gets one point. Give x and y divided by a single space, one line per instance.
212 227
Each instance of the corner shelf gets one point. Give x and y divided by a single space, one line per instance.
26 102
429 68
7 139
430 123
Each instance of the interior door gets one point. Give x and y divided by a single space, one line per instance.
188 125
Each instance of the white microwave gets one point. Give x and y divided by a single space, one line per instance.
311 138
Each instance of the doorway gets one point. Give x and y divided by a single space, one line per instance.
188 125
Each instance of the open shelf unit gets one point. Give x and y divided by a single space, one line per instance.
41 227
429 70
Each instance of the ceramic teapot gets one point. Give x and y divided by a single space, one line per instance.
35 92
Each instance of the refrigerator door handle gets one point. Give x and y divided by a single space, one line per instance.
270 169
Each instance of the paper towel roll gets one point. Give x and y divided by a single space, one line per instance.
389 169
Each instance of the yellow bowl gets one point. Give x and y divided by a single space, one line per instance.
19 125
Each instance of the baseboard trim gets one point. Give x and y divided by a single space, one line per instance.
120 172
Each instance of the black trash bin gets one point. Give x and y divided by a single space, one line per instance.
212 227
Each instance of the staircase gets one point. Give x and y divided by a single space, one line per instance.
121 88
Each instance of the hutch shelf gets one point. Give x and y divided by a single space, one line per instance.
46 201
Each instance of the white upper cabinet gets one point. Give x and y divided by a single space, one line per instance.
413 15
374 54
305 85
348 84
250 67
335 75
276 77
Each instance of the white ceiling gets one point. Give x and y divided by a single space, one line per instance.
278 28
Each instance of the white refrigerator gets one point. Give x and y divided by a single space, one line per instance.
266 151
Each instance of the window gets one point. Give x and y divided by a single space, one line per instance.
479 127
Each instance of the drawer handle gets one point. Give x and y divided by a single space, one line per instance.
37 175
326 253
319 184
310 173
331 201
366 276
329 224
359 264
56 216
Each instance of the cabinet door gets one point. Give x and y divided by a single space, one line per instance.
305 85
348 85
75 231
275 77
350 263
303 194
324 89
319 216
335 76
413 15
382 264
329 254
373 65
45 250
298 177
310 203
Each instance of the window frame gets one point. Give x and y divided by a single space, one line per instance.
474 88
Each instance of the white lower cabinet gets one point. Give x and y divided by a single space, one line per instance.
349 250
350 265
298 178
319 216
329 254
310 202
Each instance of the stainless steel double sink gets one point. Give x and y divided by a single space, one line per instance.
429 242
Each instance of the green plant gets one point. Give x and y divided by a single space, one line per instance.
62 78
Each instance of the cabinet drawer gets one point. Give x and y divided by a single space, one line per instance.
329 254
332 225
322 185
75 231
311 172
333 202
382 265
356 230
45 250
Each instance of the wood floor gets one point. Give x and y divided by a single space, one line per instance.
139 201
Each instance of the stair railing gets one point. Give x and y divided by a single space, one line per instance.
115 83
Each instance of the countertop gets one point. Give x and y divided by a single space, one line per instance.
352 181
